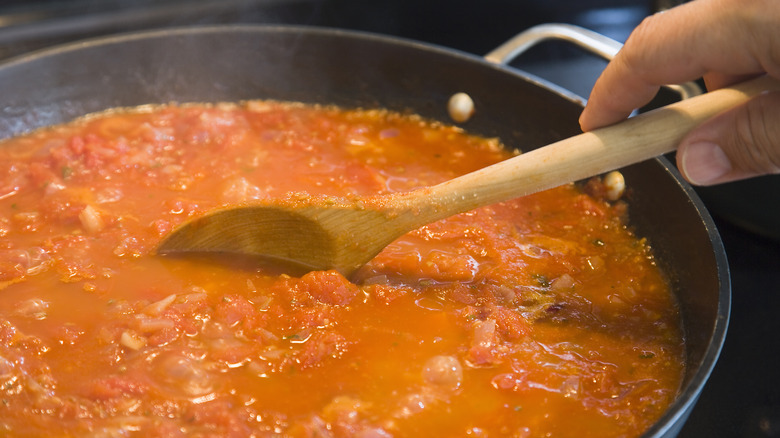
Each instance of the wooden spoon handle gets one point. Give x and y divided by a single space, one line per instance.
639 138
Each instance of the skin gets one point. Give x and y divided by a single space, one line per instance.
722 41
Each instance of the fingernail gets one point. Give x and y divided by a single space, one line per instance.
703 163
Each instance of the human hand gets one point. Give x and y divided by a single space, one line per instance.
723 41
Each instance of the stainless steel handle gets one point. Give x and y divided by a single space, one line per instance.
593 42
588 40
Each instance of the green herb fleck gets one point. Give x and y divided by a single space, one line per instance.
67 171
647 355
542 280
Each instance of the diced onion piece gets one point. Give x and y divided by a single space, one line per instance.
565 281
53 187
151 325
109 195
460 107
615 185
505 293
343 407
21 262
91 220
35 308
595 262
182 375
159 307
570 388
38 260
485 333
412 404
132 340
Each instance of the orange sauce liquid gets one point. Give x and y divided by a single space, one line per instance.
543 316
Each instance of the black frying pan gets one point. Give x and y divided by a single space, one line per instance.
361 70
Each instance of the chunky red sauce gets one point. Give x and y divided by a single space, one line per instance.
543 316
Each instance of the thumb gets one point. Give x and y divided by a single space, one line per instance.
740 143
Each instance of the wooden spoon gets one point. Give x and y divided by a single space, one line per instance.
318 233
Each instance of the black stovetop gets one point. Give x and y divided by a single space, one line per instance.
742 397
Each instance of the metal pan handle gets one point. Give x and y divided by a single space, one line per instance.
588 40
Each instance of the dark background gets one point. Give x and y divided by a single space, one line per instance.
742 398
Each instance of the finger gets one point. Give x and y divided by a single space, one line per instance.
614 96
741 143
677 46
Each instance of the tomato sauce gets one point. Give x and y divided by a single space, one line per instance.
542 316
